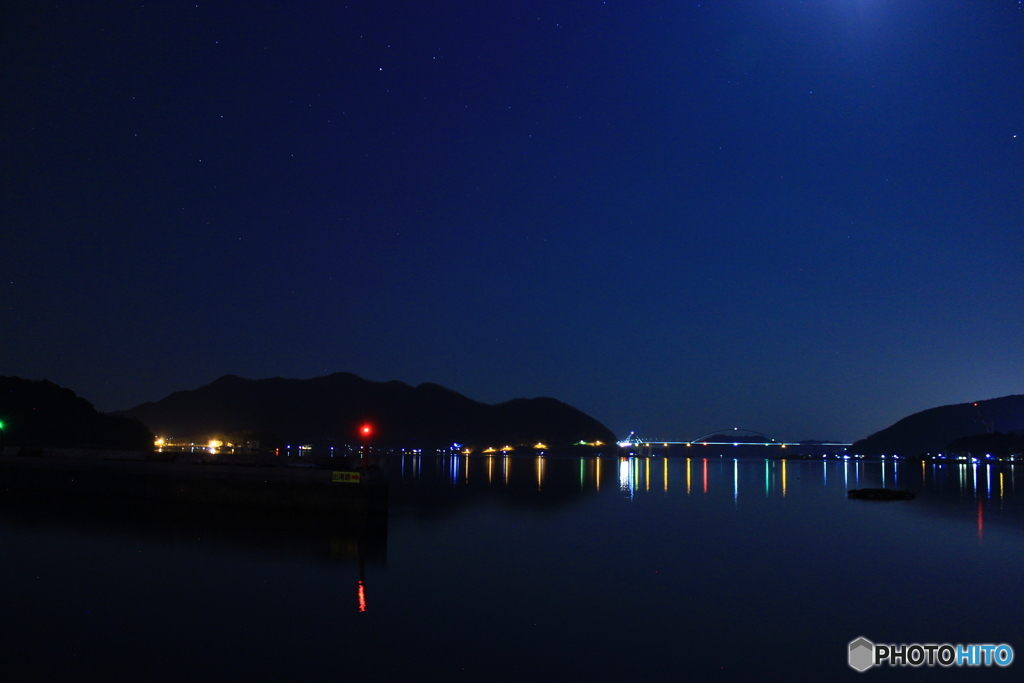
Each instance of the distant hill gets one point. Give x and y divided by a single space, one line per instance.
44 415
997 444
328 410
933 430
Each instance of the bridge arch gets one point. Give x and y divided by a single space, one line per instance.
733 431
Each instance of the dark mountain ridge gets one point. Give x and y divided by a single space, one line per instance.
935 429
328 410
40 414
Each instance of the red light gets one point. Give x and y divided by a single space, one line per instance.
365 430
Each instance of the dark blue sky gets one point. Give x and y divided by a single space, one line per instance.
803 218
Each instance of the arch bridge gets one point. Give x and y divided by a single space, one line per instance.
732 436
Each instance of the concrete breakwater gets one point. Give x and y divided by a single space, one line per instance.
127 474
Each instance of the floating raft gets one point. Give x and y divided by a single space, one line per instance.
879 494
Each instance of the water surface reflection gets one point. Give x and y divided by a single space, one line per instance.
539 567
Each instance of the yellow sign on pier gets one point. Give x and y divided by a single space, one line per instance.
346 477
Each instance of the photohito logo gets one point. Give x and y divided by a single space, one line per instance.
863 654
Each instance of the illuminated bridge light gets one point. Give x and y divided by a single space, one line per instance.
735 481
626 476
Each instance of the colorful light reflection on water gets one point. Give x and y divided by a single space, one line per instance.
637 475
540 558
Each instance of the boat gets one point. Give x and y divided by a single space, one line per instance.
879 494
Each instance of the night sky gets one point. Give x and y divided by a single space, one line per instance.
801 218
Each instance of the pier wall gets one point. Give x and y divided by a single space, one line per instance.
126 474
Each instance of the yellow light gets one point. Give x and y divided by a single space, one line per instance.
490 450
160 442
540 445
215 444
598 443
506 448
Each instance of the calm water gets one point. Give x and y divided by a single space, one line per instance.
528 568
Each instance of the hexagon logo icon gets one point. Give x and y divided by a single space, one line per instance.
862 654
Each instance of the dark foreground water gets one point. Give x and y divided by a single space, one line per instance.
527 568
